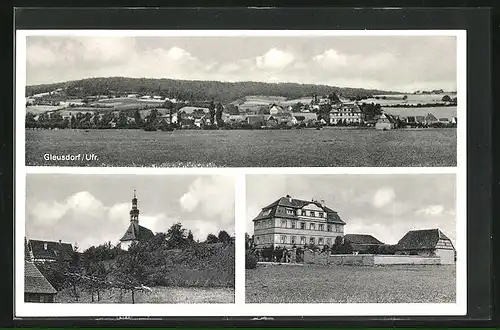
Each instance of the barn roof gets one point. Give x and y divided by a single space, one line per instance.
136 232
420 239
362 239
34 281
50 250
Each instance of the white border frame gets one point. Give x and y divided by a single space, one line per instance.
239 308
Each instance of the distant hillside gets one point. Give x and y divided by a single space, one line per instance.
194 89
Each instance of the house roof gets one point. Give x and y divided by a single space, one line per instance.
430 116
50 250
136 232
421 239
189 109
34 281
362 239
332 215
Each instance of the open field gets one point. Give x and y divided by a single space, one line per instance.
160 295
351 284
246 148
439 112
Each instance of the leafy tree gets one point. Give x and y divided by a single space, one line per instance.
137 118
170 107
211 109
224 237
232 109
264 111
122 120
446 98
176 236
211 238
333 97
250 260
190 237
30 121
218 114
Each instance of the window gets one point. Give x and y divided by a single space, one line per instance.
45 246
302 240
292 239
270 224
302 225
289 211
329 241
321 227
258 239
311 213
321 214
312 226
338 228
312 240
329 227
283 239
283 223
320 241
302 212
293 224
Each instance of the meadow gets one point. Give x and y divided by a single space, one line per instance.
351 284
329 147
159 295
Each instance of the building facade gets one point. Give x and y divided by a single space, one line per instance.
135 232
292 222
346 113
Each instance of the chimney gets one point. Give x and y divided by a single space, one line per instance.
322 202
289 198
60 242
45 246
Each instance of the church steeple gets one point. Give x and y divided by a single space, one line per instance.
134 212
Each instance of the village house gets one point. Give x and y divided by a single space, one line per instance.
37 288
430 119
362 243
385 122
346 113
276 109
255 120
135 232
48 251
289 221
427 243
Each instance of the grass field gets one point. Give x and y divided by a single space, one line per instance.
246 148
351 284
160 295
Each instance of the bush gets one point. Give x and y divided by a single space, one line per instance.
250 260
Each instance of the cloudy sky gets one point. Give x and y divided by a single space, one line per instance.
384 62
385 206
94 209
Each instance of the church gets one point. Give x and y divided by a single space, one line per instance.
135 232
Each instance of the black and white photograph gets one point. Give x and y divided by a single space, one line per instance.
132 239
240 99
352 239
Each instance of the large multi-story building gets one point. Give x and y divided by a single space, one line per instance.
346 113
289 221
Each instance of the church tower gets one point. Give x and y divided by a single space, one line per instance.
134 212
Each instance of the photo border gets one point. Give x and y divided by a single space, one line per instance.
238 309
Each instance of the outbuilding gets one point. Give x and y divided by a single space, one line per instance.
427 243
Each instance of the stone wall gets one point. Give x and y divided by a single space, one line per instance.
367 259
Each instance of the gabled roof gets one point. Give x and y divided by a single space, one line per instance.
430 116
421 239
189 109
136 232
53 250
362 239
34 281
294 203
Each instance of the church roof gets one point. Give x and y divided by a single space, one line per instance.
34 281
135 232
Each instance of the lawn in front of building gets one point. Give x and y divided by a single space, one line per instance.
351 284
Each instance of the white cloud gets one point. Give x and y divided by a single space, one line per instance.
331 58
432 210
189 201
49 212
383 197
274 59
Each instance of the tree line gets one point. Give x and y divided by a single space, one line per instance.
193 90
146 263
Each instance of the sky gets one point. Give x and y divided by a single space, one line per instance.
385 206
392 63
94 209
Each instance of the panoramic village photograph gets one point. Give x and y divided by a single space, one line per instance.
129 239
351 238
324 101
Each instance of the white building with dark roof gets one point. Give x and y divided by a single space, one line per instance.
289 221
427 243
135 232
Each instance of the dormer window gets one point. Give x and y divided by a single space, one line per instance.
302 212
311 214
289 211
45 246
321 214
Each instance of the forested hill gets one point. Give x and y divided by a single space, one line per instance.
195 89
